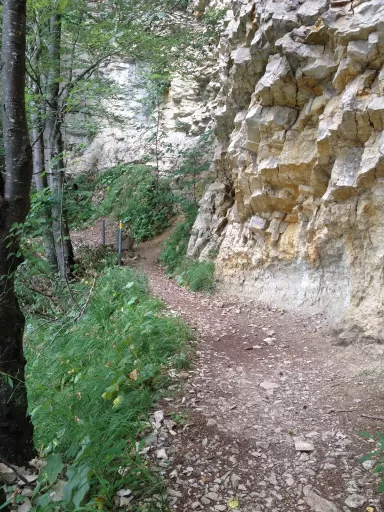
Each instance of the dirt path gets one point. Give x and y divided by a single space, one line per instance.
269 414
271 410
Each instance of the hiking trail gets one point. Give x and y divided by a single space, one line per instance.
269 414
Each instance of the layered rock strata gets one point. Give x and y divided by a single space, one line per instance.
297 211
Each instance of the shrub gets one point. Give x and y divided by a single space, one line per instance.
198 275
175 247
131 193
140 200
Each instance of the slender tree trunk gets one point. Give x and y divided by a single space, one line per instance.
55 147
41 183
16 431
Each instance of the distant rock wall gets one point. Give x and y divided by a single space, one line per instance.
297 211
128 128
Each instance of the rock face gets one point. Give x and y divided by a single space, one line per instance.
297 211
130 131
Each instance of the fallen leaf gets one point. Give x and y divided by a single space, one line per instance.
116 401
134 375
233 502
100 502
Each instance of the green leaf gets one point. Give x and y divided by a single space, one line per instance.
19 499
369 456
77 485
233 503
34 411
366 435
380 437
381 486
43 501
379 468
52 469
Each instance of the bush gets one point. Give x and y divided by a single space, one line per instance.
92 381
198 275
175 247
142 202
132 193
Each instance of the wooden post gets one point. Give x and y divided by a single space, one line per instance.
120 243
103 232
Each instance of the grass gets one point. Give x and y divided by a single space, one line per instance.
92 383
196 275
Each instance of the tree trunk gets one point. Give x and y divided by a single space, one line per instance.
55 147
16 431
41 184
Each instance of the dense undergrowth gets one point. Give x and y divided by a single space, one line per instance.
146 206
93 376
130 193
196 275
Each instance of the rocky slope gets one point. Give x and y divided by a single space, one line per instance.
297 211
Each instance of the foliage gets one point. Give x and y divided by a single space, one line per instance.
197 275
141 201
213 19
175 247
132 193
194 162
377 455
92 382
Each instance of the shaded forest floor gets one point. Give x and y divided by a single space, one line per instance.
269 413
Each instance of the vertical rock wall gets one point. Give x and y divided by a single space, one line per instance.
130 130
297 211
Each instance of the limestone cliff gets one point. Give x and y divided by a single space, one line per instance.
128 130
297 211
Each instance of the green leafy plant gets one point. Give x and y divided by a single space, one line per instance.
131 193
141 201
198 275
179 417
191 174
92 382
175 247
377 455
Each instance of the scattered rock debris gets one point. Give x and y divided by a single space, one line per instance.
257 435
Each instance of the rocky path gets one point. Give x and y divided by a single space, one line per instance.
269 413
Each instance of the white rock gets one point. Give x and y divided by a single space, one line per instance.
158 417
124 493
161 454
235 480
174 493
303 446
316 502
7 476
369 464
25 507
213 496
355 501
269 385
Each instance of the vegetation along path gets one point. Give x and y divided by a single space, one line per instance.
270 412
